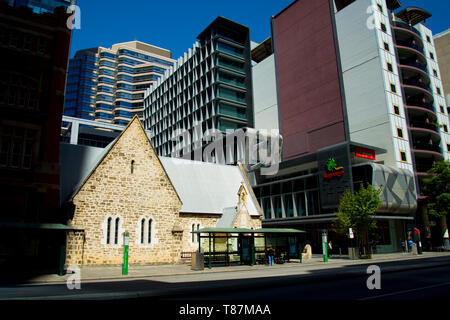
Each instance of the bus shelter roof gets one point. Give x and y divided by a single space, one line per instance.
245 230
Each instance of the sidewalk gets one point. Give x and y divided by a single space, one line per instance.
90 274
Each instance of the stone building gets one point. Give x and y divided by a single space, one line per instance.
159 201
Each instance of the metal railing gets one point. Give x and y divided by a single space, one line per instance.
423 125
407 26
427 146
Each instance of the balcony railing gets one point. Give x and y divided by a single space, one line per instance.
410 45
418 84
407 26
427 146
418 105
423 125
415 64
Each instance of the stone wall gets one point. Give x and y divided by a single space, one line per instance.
116 190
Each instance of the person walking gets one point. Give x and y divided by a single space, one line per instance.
330 248
270 254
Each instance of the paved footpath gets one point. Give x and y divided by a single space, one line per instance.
101 273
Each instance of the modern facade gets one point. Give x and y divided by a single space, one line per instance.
371 101
415 128
108 84
206 93
35 50
88 132
442 45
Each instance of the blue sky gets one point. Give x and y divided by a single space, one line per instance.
174 25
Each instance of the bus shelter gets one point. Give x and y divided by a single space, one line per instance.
236 246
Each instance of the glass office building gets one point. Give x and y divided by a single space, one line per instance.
41 6
108 84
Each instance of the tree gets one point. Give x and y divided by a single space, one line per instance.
357 211
437 188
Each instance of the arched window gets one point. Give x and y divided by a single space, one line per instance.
116 232
108 230
132 166
142 230
149 235
192 233
198 234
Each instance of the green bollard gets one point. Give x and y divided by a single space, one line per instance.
126 237
324 247
62 259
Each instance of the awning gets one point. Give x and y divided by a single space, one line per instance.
245 230
262 50
40 226
413 15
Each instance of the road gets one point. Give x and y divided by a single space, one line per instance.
423 284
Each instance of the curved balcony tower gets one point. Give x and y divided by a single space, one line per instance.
417 87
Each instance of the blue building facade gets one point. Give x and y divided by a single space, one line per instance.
108 84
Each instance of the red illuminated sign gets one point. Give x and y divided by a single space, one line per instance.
365 153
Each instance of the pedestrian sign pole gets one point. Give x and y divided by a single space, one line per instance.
126 240
324 247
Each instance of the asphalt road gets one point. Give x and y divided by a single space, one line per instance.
424 284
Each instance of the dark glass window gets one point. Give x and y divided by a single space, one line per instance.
313 203
403 155
116 231
277 207
288 205
393 88
300 203
386 46
389 66
400 132
142 230
267 208
396 110
149 235
108 231
383 27
380 7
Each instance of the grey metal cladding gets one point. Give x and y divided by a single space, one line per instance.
398 189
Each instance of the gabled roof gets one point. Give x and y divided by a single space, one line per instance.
207 187
202 187
93 164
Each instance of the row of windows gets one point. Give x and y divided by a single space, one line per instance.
20 40
19 96
145 57
16 147
108 55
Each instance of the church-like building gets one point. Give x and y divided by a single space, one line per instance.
159 201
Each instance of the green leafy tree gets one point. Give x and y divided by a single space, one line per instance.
437 188
356 211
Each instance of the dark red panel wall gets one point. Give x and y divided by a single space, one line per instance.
311 114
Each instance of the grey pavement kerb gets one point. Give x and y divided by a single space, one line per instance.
100 273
